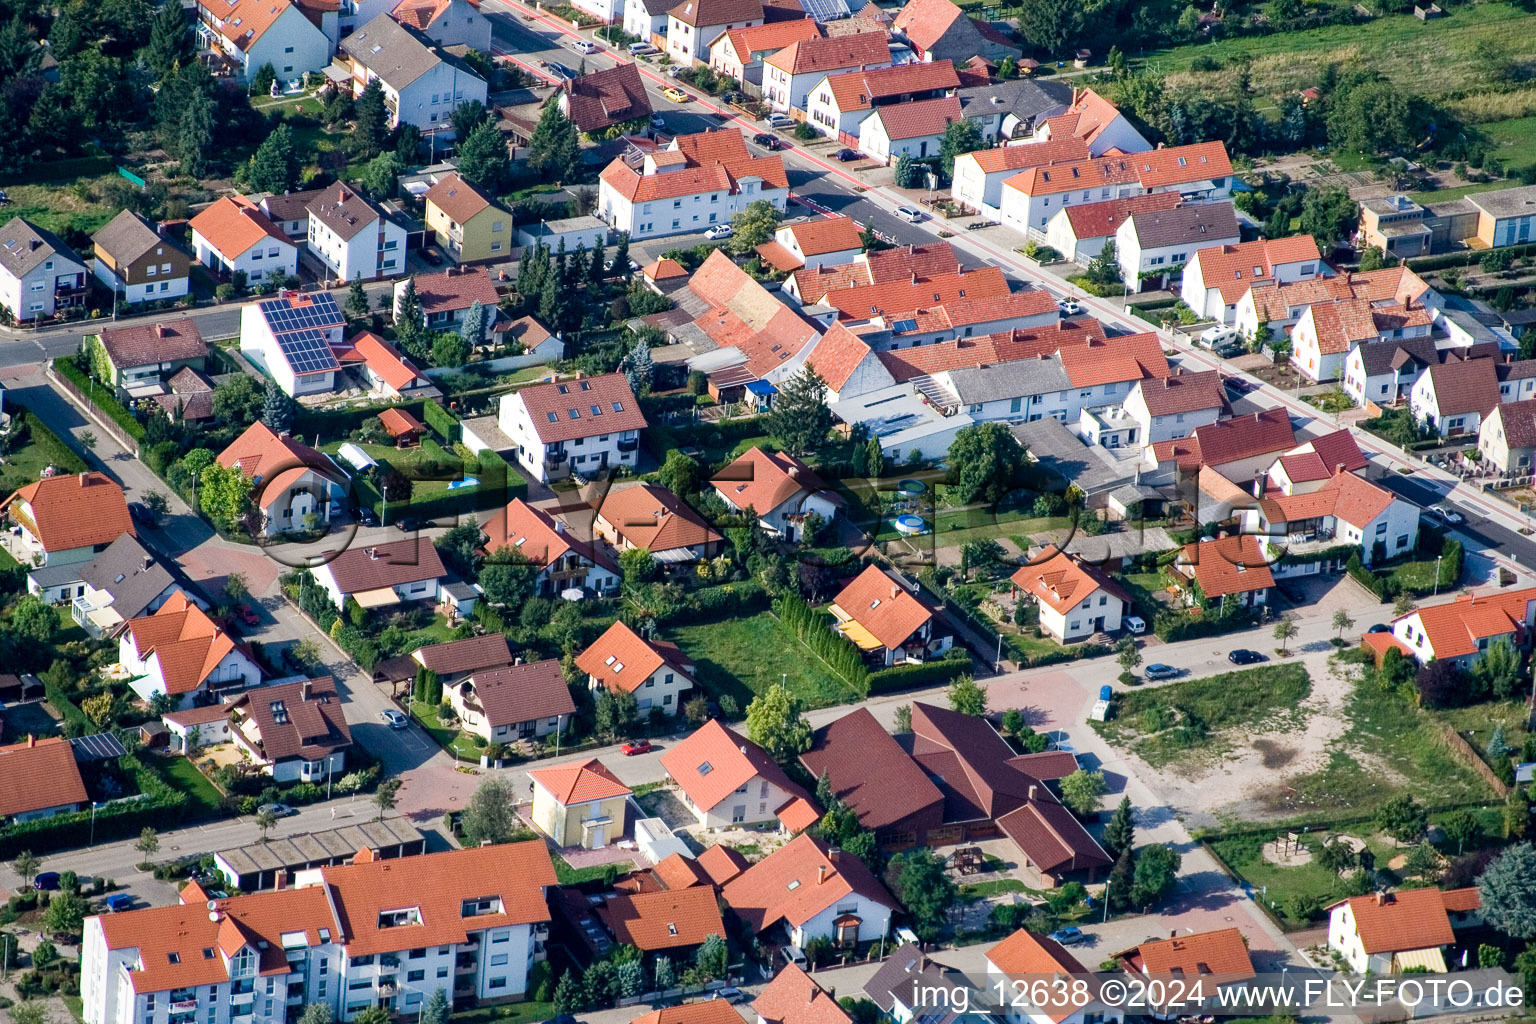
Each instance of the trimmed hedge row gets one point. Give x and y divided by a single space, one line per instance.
1170 627
52 445
160 806
1464 259
103 398
814 630
1064 654
332 423
440 420
906 677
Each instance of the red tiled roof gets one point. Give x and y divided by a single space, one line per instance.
920 119
456 288
564 411
826 235
145 344
39 774
621 659
819 56
664 269
793 997
273 462
711 1011
722 863
1101 220
1034 154
751 43
1232 269
764 480
1091 362
1176 165
234 225
1005 346
1099 172
73 510
1024 954
1454 628
399 423
187 642
1227 565
890 298
854 90
1153 169
712 162
881 605
1409 919
579 783
715 761
652 517
798 815
837 355
799 880
385 360
606 97
669 919
678 872
1218 952
1064 581
925 22
1346 496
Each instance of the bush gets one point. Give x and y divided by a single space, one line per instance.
929 673
102 397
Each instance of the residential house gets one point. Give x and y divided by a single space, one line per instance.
1347 510
602 99
1076 600
1199 173
581 426
385 371
124 582
1507 437
825 242
651 517
140 357
41 780
294 37
180 652
68 518
646 20
294 338
1022 958
837 104
759 341
1079 232
1007 110
1406 930
780 488
928 311
696 181
1460 630
290 212
809 285
1174 406
1325 333
423 84
1217 277
533 338
938 30
1382 372
887 621
672 922
692 25
1269 308
905 985
793 997
562 559
655 672
467 223
813 892
233 236
1237 448
446 297
447 23
295 732
521 701
908 129
1221 955
874 777
383 575
790 74
345 936
846 363
39 274
457 660
1152 245
1233 568
135 261
977 181
190 399
579 804
1505 216
296 487
710 1011
1454 396
1097 122
726 780
740 53
1312 464
353 238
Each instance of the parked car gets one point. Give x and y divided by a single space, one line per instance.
718 232
642 49
119 901
247 615
408 524
1380 627
142 515
1135 623
779 121
394 719
634 747
730 994
432 256
584 46
793 955
674 94
560 70
846 155
48 881
1071 935
1070 307
1239 385
657 121
768 141
367 517
1445 512
1243 656
909 215
1157 670
277 810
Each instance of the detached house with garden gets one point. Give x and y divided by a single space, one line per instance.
579 426
656 673
180 652
1076 600
68 518
561 559
233 237
39 274
137 262
295 732
724 779
886 621
41 779
294 487
697 181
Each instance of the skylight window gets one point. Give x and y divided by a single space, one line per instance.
706 768
554 417
792 886
575 413
618 667
618 406
597 410
174 958
609 660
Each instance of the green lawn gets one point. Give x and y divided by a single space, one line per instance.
996 887
181 774
567 875
448 737
1514 141
744 657
59 207
1244 854
528 1012
951 526
1476 723
1445 195
1144 588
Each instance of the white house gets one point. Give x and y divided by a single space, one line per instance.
1383 371
39 274
1461 630
1097 122
647 20
1507 437
562 559
1025 965
350 937
383 575
1217 277
445 22
249 34
1277 306
180 652
1167 408
780 488
656 672
135 261
978 177
580 426
353 238
825 242
68 519
696 182
837 897
522 701
1391 932
292 338
1152 245
1454 396
908 129
422 84
790 74
295 487
740 53
1325 333
295 732
692 25
725 780
233 235
1076 600
837 104
1347 510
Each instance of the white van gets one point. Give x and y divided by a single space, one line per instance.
1216 337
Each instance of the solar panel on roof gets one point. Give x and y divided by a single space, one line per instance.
306 350
100 747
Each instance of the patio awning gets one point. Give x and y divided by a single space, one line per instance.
336 73
1430 959
862 638
672 556
381 598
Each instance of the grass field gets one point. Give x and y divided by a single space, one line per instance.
182 774
448 737
1278 886
1514 140
60 208
744 657
1476 723
1445 195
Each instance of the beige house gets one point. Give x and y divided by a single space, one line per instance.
1507 437
579 804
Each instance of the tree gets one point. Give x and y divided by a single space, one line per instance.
1422 862
26 865
712 959
1128 655
483 156
507 578
370 124
277 409
381 174
472 327
1082 791
637 565
1336 856
924 889
1048 24
876 457
274 166
1120 833
263 80
1498 746
450 350
754 225
639 370
776 723
1402 818
1118 887
468 116
982 555
1341 622
34 620
960 137
967 696
34 1011
170 41
1459 827
554 148
386 796
1104 269
1441 684
1371 259
264 821
224 493
903 722
680 473
66 912
984 460
1328 215
318 1013
147 844
1157 869
357 300
372 1015
1285 631
1499 669
663 974
460 549
800 417
491 814
193 139
1508 891
906 172
1402 604
613 712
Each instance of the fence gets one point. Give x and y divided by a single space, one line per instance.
1457 744
102 416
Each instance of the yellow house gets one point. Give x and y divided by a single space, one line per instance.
468 225
579 804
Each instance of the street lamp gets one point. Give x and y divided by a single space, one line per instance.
1437 574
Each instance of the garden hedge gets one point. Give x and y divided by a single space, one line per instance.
159 807
332 423
103 398
442 421
906 677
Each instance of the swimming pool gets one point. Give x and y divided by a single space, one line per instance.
468 481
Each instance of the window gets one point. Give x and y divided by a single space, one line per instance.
150 272
497 983
499 960
415 975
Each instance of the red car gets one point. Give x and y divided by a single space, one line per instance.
247 615
634 747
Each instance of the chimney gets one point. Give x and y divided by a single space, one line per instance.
373 553
821 874
282 880
1032 789
895 590
304 689
149 560
341 194
1258 483
1381 899
162 331
1338 467
517 660
364 856
31 740
85 479
559 526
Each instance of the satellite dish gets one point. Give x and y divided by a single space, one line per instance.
213 904
214 915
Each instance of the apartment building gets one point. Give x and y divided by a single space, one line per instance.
580 426
423 85
1200 173
696 182
353 238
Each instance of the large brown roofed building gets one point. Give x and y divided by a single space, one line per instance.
873 776
513 702
295 731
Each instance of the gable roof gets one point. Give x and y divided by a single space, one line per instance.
1318 458
397 54
1217 952
622 659
467 655
459 200
1023 954
302 719
837 355
1399 284
920 119
882 606
606 97
1101 220
130 573
274 462
926 22
39 774
825 235
1183 225
72 510
722 863
793 997
764 480
1454 628
520 693
752 43
1462 386
652 517
870 772
246 21
716 161
188 643
24 247
1065 581
856 90
586 407
376 566
1518 420
711 1011
1013 158
799 880
1345 496
669 919
147 344
817 55
715 761
1227 565
1176 165
456 288
707 13
127 237
1184 392
1090 361
579 783
539 537
235 225
1233 269
1408 919
394 369
343 211
989 350
1231 440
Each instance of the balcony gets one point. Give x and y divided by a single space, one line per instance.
629 446
465 964
553 461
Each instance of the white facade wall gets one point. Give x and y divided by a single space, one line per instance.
875 143
685 214
269 258
32 297
463 25
295 769
1135 260
754 803
378 250
292 44
1169 427
821 108
256 338
606 11
166 287
415 590
429 102
1205 298
687 44
584 454
874 920
1100 612
639 21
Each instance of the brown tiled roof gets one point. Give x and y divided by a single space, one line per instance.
884 607
1396 922
1183 392
652 517
146 344
1519 422
296 720
1051 837
1184 225
793 997
854 90
603 98
819 56
458 199
707 13
1047 765
456 288
582 408
522 693
1231 440
799 880
376 566
870 773
1064 581
1461 387
343 211
74 510
621 659
39 774
127 237
971 762
920 119
732 760
1227 565
467 655
579 783
1101 220
670 919
188 643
